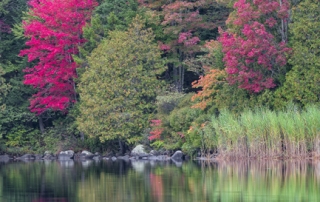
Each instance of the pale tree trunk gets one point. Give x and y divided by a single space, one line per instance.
284 27
41 125
121 150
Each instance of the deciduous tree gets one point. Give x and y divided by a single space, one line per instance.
254 55
54 29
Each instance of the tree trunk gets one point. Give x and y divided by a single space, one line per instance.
82 136
41 125
121 147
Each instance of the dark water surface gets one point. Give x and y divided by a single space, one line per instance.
139 181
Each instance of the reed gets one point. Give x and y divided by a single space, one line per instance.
262 133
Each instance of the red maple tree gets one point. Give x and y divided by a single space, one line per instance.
54 29
253 55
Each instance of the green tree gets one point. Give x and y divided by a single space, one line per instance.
18 125
303 81
119 88
110 15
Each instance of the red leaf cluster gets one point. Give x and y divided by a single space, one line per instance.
156 132
55 33
187 39
253 55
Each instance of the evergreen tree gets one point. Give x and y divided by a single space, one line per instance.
18 125
303 81
119 88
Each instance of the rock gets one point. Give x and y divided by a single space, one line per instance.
85 152
114 158
38 156
126 157
164 157
177 156
48 155
97 157
139 151
66 155
26 157
4 158
86 155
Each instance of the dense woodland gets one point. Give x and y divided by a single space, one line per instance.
238 78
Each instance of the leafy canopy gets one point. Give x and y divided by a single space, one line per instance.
252 54
119 88
54 30
302 82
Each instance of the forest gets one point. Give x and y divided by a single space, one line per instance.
229 78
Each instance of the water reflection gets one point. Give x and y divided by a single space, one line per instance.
153 181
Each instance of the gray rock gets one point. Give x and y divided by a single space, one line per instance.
85 155
126 157
49 157
26 157
4 158
97 157
38 156
177 156
85 152
139 151
159 158
66 155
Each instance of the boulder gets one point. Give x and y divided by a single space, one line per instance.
48 155
4 158
159 158
38 156
66 155
126 157
177 156
97 157
86 155
26 157
139 151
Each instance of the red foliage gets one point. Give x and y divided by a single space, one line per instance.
55 33
253 55
187 39
156 132
164 47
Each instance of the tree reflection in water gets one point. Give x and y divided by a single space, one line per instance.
145 181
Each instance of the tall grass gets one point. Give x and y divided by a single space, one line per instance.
262 133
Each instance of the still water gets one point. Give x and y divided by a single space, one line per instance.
139 181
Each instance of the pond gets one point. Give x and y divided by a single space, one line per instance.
147 181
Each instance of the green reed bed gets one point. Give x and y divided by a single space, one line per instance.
262 133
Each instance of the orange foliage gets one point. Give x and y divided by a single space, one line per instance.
210 84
